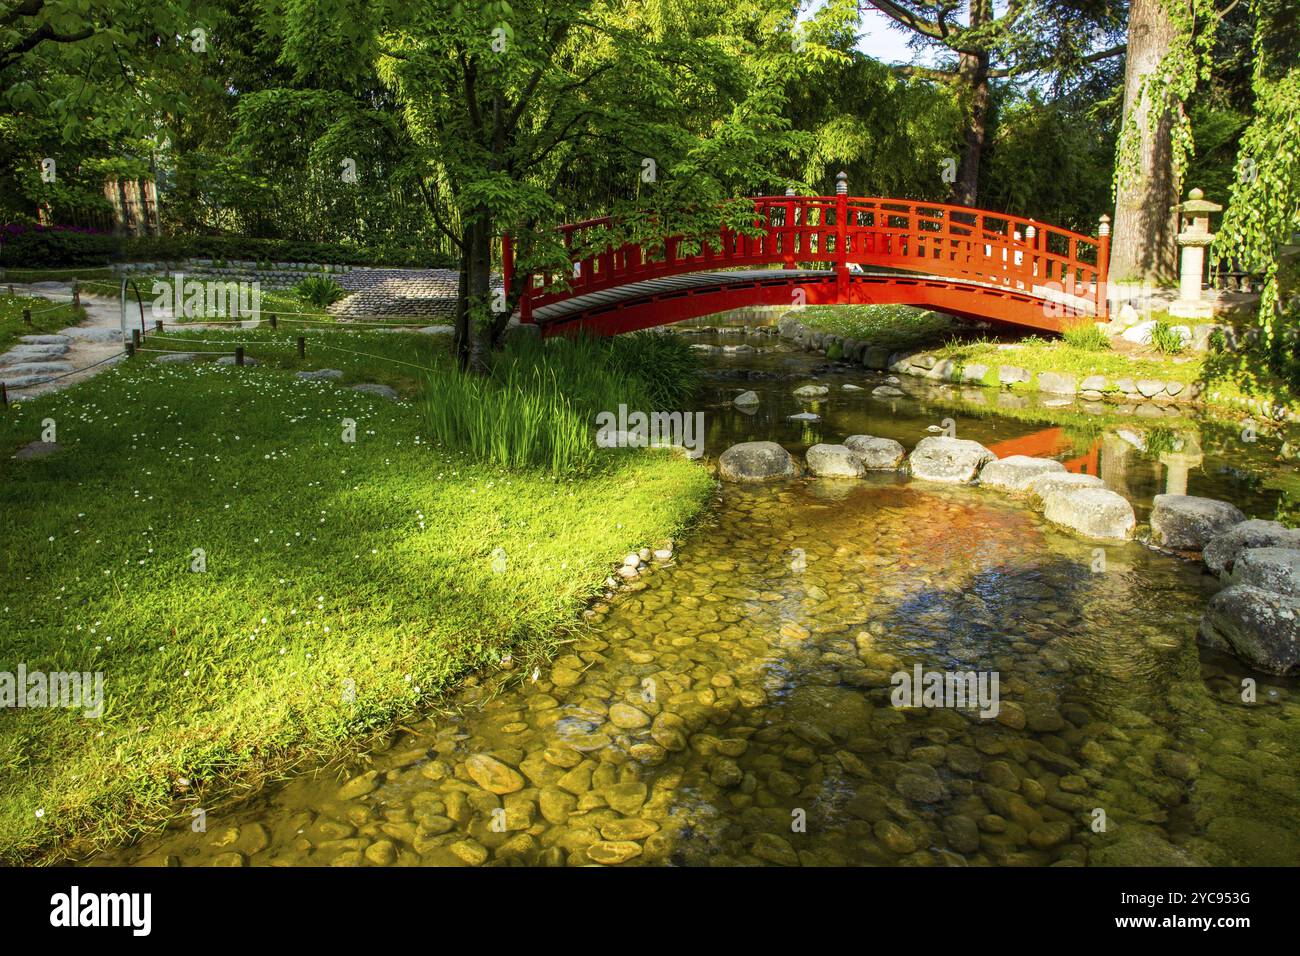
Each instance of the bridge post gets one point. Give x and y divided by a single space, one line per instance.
841 238
791 237
1102 306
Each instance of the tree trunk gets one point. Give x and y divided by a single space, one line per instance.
474 303
1143 245
973 77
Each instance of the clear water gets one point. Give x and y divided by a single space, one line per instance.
733 706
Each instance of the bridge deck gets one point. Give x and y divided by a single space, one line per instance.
559 312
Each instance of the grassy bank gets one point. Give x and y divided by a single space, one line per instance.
897 327
346 583
1228 382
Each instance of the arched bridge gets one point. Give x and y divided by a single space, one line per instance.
824 250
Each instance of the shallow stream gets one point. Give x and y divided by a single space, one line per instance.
733 706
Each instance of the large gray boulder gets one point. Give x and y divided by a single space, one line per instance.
1014 473
756 461
834 461
1261 627
1272 569
1043 487
1219 553
877 454
1092 512
950 460
1187 523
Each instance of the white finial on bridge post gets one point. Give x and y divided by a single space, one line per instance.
842 184
1103 227
789 190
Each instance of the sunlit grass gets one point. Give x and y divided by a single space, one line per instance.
330 565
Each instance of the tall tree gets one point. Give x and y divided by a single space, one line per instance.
982 45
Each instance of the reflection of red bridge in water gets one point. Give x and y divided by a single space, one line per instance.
1049 443
829 250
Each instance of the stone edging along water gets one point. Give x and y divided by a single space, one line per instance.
1257 614
1150 398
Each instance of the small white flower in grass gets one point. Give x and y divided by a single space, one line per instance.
40 812
283 651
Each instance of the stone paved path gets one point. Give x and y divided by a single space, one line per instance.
40 363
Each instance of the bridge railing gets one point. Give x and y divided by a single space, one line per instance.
1010 253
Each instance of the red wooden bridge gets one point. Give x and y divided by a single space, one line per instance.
825 250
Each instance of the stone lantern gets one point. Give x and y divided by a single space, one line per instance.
1192 240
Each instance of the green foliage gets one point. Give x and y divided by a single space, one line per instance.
1263 215
1086 336
34 247
320 291
1164 338
537 407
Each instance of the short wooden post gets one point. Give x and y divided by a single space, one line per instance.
27 316
135 338
4 395
157 325
274 321
130 349
76 295
302 346
239 355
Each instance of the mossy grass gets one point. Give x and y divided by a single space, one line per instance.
347 584
895 327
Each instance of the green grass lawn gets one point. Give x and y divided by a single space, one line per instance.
47 316
346 584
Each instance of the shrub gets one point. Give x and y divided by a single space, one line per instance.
320 291
1165 338
54 246
1086 336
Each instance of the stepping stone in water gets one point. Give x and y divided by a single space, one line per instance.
805 417
38 449
320 373
371 388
